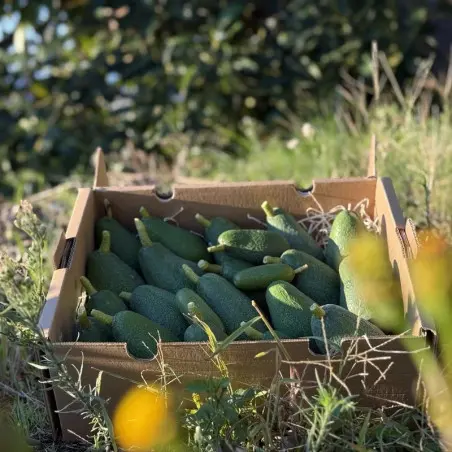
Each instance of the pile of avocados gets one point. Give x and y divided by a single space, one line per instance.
156 283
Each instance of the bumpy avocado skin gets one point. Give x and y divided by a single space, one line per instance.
105 301
180 241
106 271
186 296
195 333
160 306
123 243
289 309
346 226
96 332
217 226
230 266
252 245
295 234
261 276
340 323
162 268
140 334
228 302
319 281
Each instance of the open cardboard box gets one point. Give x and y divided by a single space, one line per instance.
390 378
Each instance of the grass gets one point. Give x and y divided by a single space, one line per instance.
414 149
414 136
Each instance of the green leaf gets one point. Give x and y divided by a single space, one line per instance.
99 382
262 354
363 431
198 386
39 366
223 345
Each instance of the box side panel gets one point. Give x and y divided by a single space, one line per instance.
376 371
235 201
381 372
393 227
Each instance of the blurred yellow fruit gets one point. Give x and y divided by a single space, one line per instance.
431 274
143 420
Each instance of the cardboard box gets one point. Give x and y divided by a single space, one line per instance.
390 378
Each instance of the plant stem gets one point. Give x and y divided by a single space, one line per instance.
208 267
86 283
271 260
202 220
301 269
268 209
105 245
142 233
216 248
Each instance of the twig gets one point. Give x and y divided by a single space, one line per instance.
20 394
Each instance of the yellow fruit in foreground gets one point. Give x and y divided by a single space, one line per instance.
143 419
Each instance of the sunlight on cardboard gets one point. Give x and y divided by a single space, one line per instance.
143 420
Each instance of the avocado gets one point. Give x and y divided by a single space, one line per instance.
215 227
256 335
261 276
284 223
231 305
160 266
123 243
138 332
181 242
319 281
158 305
186 296
195 333
228 268
289 309
251 245
106 271
346 226
104 300
91 330
350 297
339 323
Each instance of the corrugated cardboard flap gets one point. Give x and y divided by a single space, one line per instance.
100 169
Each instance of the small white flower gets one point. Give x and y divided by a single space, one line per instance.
293 143
307 130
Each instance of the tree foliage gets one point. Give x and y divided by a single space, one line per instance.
76 74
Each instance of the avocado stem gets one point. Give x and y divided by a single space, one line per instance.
86 283
126 296
301 269
84 320
142 233
268 209
144 212
271 260
252 333
208 267
190 274
216 248
317 311
105 244
102 317
108 209
193 310
203 221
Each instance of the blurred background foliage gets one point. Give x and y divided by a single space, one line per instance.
76 74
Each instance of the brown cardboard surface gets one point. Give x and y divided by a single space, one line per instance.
100 173
372 385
